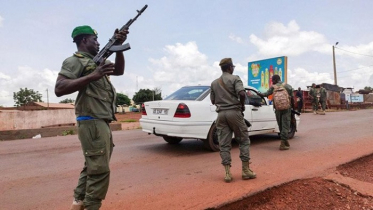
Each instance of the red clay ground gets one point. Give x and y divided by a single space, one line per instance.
314 193
128 116
129 120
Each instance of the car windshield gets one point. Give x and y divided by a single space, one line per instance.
188 93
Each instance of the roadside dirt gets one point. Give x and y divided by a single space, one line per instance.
129 120
330 192
128 117
336 191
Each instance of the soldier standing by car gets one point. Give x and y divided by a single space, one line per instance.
283 116
228 94
323 99
313 96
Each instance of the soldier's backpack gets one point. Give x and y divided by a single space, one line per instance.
281 98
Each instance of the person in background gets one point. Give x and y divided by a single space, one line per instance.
313 96
299 96
228 94
323 99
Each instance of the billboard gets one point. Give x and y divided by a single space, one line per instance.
355 98
260 72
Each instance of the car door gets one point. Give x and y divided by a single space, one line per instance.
262 114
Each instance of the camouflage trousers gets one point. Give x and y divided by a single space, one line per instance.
315 104
283 118
323 104
229 122
97 145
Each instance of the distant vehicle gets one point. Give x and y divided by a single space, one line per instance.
135 110
189 114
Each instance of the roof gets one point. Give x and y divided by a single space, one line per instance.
328 86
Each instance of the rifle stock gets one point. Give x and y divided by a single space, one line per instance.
112 46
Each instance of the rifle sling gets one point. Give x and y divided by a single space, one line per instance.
225 87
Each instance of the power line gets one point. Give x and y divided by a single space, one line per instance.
354 52
356 69
305 77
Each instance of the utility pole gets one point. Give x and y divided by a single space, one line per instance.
47 99
335 71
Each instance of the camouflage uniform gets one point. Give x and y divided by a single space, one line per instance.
230 119
96 103
323 98
314 99
283 117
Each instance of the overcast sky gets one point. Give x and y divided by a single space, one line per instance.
180 42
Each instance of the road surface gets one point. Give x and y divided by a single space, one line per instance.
147 173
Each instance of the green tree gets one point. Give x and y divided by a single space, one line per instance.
67 101
147 95
368 88
25 96
122 99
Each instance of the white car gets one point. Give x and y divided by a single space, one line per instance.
189 114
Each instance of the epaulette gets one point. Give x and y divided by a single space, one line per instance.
78 55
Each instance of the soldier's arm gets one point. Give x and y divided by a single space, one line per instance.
269 92
65 85
242 99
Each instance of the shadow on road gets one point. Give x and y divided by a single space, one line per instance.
194 146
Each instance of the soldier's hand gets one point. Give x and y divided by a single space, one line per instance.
102 70
121 36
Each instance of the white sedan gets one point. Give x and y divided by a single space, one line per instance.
189 114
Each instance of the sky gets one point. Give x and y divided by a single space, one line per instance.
177 42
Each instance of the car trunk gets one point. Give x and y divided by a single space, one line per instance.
161 110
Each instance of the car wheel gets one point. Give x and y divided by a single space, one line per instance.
172 140
293 128
212 143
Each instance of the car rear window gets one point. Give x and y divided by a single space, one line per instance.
188 93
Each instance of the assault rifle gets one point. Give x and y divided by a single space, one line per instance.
110 47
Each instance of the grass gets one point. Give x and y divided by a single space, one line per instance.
128 120
67 132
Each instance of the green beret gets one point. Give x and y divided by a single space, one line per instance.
83 30
226 61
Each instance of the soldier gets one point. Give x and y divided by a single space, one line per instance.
313 96
228 94
299 96
323 98
283 117
94 110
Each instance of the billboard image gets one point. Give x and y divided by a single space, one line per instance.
260 72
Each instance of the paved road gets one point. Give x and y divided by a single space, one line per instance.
150 174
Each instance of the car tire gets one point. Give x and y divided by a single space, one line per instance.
172 140
211 143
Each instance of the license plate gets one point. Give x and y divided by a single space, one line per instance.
160 111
